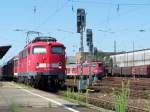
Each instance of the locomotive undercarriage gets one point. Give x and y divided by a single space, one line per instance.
42 81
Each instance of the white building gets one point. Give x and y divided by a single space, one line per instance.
136 58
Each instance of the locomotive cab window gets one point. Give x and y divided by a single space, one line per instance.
39 50
57 50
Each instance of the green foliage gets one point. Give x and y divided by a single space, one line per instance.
148 106
98 56
120 98
14 108
76 96
101 56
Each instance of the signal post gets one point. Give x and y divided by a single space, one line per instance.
81 24
89 40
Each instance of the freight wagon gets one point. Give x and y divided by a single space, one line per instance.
141 71
135 71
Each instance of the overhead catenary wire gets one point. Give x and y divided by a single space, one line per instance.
110 3
53 14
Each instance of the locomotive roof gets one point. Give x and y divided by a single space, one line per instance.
3 50
44 39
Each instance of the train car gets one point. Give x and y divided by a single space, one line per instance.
41 63
16 68
135 71
116 71
141 71
126 71
7 70
108 71
96 68
71 70
0 72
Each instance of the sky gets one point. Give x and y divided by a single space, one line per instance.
126 21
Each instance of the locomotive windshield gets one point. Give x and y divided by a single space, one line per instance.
39 50
57 50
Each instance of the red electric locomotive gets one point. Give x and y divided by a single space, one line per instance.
41 63
96 68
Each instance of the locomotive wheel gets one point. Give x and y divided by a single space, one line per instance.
42 83
61 84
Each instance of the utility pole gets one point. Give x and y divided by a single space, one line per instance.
114 63
133 53
144 56
133 57
81 23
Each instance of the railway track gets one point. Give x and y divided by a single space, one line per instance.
139 89
109 105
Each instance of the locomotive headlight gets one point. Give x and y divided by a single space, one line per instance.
60 65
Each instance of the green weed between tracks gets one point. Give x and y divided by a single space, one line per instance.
120 98
147 106
77 96
14 108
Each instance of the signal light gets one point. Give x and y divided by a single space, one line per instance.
89 36
81 19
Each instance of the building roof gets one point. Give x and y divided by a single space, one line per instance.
123 52
3 50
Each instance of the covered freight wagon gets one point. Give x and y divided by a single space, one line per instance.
116 71
127 71
141 71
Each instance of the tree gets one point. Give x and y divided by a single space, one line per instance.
98 55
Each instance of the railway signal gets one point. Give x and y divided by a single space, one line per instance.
89 39
81 20
81 23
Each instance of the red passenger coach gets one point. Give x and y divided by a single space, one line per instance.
97 69
41 63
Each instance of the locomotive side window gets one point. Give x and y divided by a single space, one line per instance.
39 50
57 50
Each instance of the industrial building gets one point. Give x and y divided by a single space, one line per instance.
132 58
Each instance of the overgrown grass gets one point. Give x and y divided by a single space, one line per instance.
78 96
147 106
14 108
120 98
